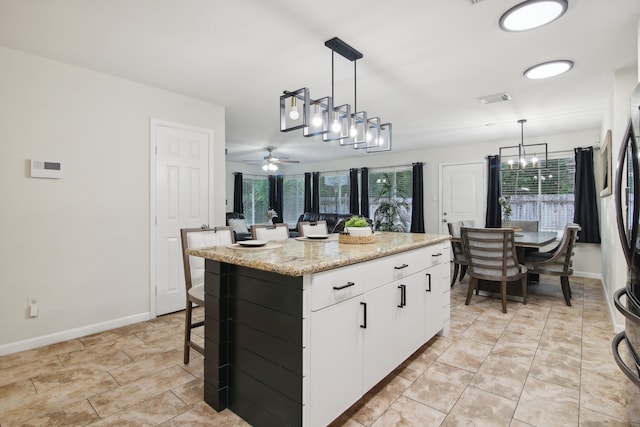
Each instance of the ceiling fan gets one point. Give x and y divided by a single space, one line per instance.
269 162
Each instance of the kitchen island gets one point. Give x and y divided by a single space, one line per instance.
297 331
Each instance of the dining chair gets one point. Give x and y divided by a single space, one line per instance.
491 255
459 260
312 227
194 275
270 232
557 262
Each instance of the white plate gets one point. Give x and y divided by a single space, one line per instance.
252 243
316 236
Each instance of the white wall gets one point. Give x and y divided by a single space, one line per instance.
587 260
80 244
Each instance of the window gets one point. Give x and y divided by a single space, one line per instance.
255 198
293 199
390 198
334 192
545 195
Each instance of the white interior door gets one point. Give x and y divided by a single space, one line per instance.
182 201
463 194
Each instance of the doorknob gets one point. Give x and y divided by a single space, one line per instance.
444 220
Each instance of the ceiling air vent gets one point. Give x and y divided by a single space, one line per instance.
492 99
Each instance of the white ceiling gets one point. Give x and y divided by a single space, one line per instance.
425 62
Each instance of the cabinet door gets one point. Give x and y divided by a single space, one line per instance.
335 360
434 300
381 335
395 326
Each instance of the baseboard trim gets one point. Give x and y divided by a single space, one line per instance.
587 275
70 334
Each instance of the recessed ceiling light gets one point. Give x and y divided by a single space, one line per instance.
532 14
548 69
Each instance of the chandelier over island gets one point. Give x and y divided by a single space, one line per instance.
341 123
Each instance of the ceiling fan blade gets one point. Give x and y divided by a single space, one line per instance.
288 161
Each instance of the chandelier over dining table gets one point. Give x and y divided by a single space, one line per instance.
342 123
516 156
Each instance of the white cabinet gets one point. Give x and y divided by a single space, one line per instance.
336 360
365 320
395 326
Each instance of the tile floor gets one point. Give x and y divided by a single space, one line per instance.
542 364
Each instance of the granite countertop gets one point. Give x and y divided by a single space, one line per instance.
296 257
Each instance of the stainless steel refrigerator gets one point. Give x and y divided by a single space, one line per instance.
626 344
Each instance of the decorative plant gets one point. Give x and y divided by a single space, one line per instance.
271 213
388 215
505 202
356 221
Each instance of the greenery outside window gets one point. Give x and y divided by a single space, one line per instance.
390 198
334 192
255 198
293 199
545 195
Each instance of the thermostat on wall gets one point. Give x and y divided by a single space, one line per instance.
44 169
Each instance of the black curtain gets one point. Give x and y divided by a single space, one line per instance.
307 191
585 209
354 206
279 197
315 192
494 215
364 192
417 205
272 192
237 193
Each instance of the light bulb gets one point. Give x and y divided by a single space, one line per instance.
265 167
523 162
317 117
354 131
369 136
336 126
293 114
510 162
534 160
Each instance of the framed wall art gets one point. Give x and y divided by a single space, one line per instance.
605 157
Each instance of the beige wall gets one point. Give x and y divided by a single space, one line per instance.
80 244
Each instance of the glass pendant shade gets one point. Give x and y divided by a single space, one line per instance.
319 117
357 130
340 123
372 134
383 143
294 110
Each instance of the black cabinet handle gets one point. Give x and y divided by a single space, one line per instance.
438 254
400 267
429 276
364 325
348 285
403 295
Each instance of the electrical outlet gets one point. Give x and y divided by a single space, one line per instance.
32 307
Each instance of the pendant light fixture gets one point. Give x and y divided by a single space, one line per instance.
341 123
523 156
